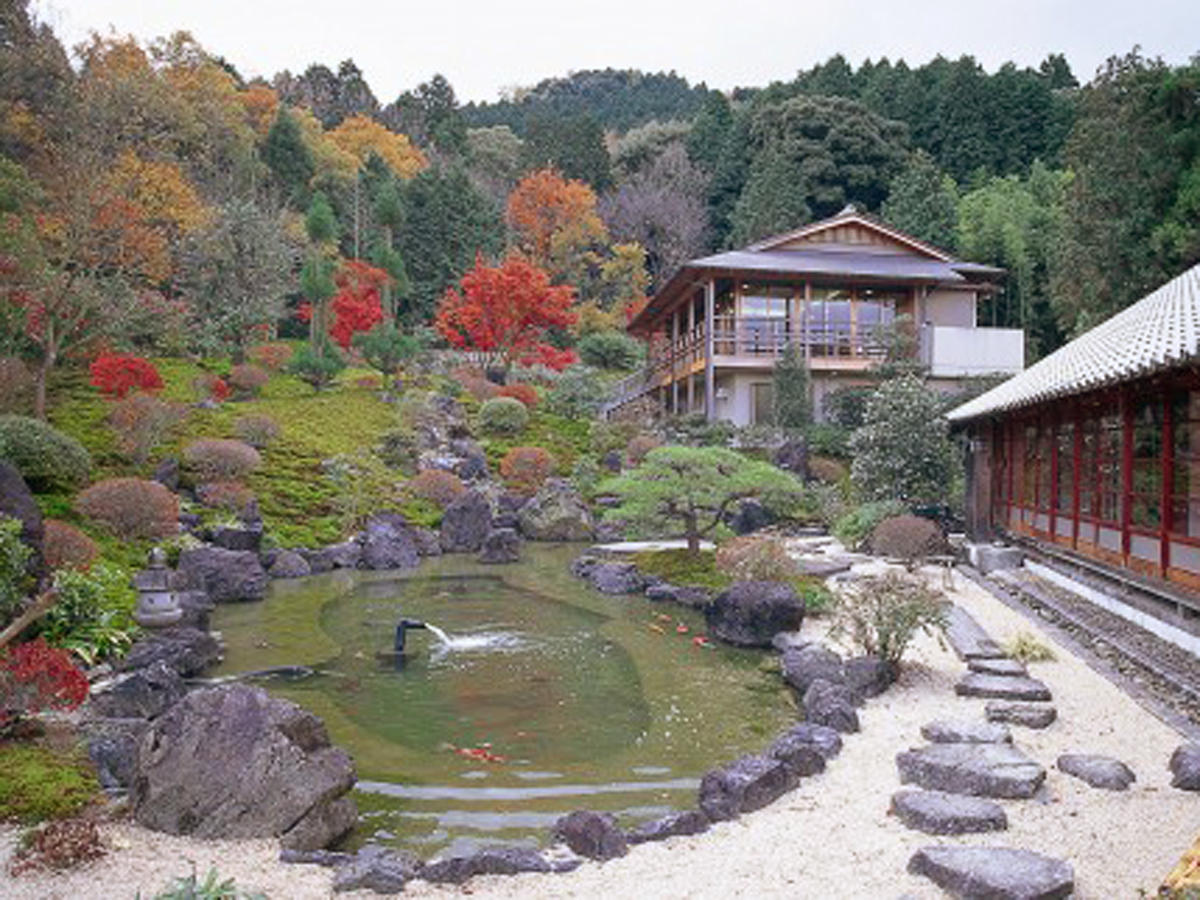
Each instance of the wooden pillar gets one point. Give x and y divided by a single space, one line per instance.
1168 479
1125 403
691 392
1052 506
1011 498
675 360
1077 468
710 306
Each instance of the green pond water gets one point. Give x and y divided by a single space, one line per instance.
582 699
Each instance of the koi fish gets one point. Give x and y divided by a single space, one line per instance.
681 629
701 641
482 753
657 628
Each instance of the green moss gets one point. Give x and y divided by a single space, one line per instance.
422 513
566 439
39 784
683 568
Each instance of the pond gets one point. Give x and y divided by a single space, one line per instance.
549 697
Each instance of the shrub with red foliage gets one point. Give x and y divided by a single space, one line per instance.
132 508
436 486
65 546
550 357
228 495
211 387
219 459
116 374
524 469
35 676
272 356
247 379
526 393
357 306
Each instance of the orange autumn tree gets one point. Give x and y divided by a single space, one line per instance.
553 219
362 136
505 314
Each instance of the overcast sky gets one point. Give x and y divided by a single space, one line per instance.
486 46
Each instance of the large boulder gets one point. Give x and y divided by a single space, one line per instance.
488 861
377 869
189 651
591 834
225 575
744 785
994 873
112 747
556 512
693 821
502 545
141 694
750 516
466 524
234 762
387 543
238 537
751 613
825 740
1185 767
805 664
345 555
792 456
616 578
16 502
289 564
832 705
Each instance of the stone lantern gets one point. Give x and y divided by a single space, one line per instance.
157 606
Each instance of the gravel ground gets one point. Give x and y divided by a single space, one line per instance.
832 837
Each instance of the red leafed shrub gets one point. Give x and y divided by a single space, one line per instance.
526 393
437 486
228 495
211 387
357 306
35 676
65 546
218 459
247 380
117 374
550 357
524 469
271 356
131 507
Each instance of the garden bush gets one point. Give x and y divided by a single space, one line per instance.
827 470
586 475
66 547
48 459
118 375
16 386
40 785
639 446
248 379
577 394
605 436
526 393
525 469
754 558
219 459
610 350
436 486
909 538
132 508
318 369
503 416
274 356
231 496
856 526
15 580
210 387
257 430
92 615
142 422
880 615
35 676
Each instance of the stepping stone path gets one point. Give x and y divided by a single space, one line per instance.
936 812
980 770
994 873
1102 772
943 732
1031 715
967 761
1001 687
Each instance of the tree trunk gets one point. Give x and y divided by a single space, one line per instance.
40 379
692 531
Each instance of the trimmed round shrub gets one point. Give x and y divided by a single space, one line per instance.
66 547
247 379
855 528
503 415
436 486
218 459
132 508
48 459
610 350
258 431
525 469
274 356
231 496
756 559
526 393
908 538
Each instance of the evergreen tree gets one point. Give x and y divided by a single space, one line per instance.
289 159
792 401
923 202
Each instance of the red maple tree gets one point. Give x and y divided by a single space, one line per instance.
505 314
357 306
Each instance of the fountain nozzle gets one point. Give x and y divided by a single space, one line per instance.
401 628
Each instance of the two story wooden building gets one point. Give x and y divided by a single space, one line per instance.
716 329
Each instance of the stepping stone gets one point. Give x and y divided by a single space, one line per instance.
994 873
967 637
936 812
997 667
945 732
1185 767
1001 687
1031 715
980 770
1102 772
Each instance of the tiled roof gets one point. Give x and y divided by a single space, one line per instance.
850 263
1158 332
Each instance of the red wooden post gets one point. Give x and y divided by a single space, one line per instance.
1077 466
1125 404
1168 481
1052 512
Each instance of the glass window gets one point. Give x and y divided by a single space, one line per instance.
1146 499
1065 489
1185 468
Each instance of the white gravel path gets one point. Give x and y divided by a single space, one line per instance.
830 838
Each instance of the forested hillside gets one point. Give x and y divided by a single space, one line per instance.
157 184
